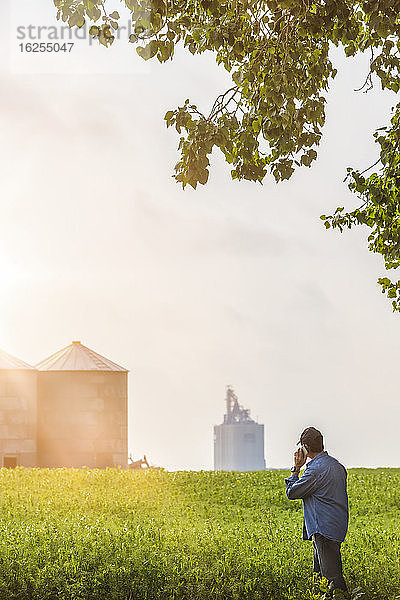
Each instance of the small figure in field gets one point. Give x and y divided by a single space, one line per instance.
323 489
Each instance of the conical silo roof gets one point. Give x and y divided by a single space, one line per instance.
77 357
7 362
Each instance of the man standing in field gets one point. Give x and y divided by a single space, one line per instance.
323 489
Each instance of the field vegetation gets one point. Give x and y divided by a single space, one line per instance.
116 535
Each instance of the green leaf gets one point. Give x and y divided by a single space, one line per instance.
148 51
203 176
93 13
76 20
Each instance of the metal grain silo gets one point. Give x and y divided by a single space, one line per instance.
18 397
239 441
82 410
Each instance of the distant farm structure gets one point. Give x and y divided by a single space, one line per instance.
71 410
239 441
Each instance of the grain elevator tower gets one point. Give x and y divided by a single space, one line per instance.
239 441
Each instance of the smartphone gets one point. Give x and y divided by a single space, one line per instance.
304 451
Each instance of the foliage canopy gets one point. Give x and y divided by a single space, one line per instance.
270 120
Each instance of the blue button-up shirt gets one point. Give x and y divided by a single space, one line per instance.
323 489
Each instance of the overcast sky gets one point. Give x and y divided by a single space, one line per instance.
235 283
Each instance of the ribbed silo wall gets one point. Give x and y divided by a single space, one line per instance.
82 419
239 447
18 396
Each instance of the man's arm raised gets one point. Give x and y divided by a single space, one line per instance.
300 488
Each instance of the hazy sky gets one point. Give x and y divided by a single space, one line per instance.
235 283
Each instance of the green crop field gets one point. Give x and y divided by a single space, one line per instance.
105 535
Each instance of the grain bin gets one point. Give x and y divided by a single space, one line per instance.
82 410
18 398
239 441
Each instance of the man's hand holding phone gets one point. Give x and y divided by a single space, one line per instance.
299 460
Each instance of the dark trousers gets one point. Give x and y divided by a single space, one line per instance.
328 561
